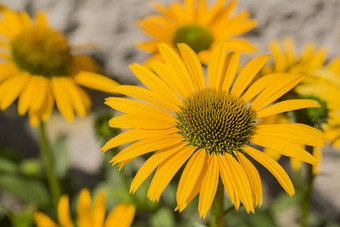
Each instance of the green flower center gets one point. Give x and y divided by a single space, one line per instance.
41 51
215 121
197 37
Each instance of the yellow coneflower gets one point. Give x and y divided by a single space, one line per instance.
121 216
197 25
37 66
325 83
208 124
287 59
320 81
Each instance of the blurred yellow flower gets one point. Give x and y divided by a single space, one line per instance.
208 125
322 80
286 58
199 26
37 66
121 216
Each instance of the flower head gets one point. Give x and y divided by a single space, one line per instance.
38 67
199 26
287 59
209 125
121 216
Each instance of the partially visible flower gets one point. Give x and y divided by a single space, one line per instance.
195 23
37 66
121 216
317 84
209 125
287 59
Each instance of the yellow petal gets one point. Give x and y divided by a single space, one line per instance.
145 95
253 177
193 65
83 209
190 176
180 73
41 19
287 105
64 212
275 91
284 147
42 220
95 81
241 182
62 100
135 107
147 145
149 166
209 186
230 72
248 73
98 210
142 121
216 66
10 90
121 216
295 133
154 83
133 135
166 171
273 167
228 180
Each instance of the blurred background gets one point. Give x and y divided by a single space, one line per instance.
106 30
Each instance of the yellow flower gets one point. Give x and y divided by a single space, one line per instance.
37 66
325 83
208 124
121 216
311 63
286 58
197 25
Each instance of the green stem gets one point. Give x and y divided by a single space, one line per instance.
49 166
217 208
307 197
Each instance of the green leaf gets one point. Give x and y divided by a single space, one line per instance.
24 219
27 190
163 217
8 166
31 167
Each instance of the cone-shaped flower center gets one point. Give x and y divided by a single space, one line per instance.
215 121
41 51
197 37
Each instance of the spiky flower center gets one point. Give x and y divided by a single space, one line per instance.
41 51
195 36
215 121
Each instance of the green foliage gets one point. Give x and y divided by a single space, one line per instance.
163 217
27 190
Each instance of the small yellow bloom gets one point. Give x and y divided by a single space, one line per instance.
195 23
209 125
121 216
38 68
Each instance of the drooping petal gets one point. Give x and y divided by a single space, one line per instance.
166 171
95 81
152 163
273 167
209 185
83 209
190 176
